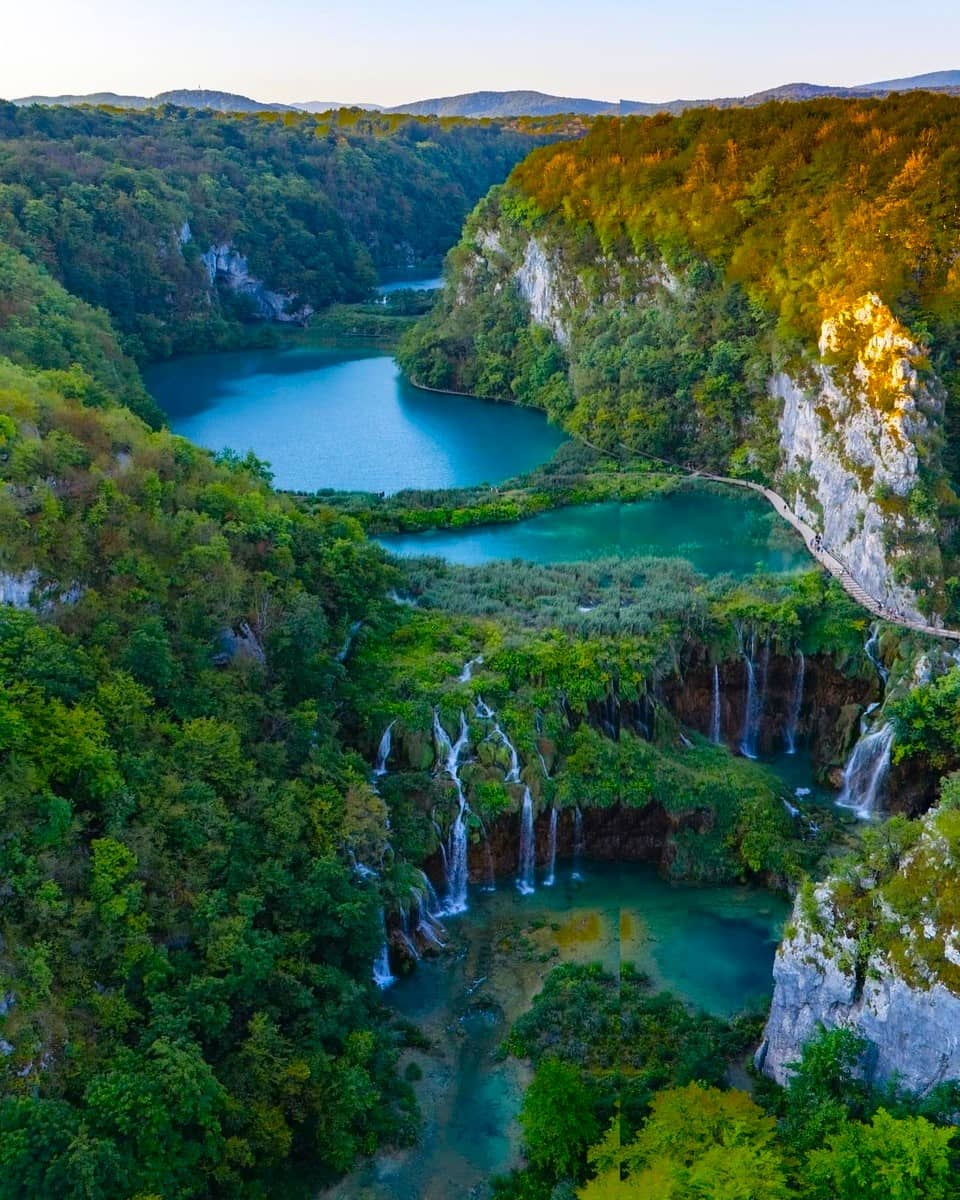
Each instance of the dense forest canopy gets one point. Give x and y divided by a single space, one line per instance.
807 205
118 206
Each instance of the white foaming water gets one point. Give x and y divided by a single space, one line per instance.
383 752
866 771
527 862
551 851
796 703
457 843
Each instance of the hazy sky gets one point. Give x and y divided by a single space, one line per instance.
388 51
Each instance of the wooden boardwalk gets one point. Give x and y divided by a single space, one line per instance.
829 561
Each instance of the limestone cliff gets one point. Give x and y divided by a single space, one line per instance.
226 265
877 952
854 433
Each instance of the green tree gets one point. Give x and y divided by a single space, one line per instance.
889 1159
558 1120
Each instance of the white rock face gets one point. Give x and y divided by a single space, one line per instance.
16 590
857 440
538 280
914 1033
228 265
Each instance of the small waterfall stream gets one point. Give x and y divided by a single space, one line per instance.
344 650
381 964
715 709
513 775
756 694
383 752
456 855
866 771
525 868
550 876
579 845
796 703
467 673
872 650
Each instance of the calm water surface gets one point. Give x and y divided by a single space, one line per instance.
716 533
345 418
712 946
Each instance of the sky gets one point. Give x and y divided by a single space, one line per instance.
392 51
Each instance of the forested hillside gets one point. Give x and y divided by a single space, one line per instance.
767 292
120 207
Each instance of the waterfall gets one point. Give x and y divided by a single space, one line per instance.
866 770
796 703
491 884
381 964
551 850
426 895
467 673
513 775
579 845
457 843
483 711
715 710
527 846
383 753
405 934
756 690
872 650
348 641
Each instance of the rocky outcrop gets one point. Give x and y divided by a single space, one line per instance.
538 281
227 266
876 951
913 1032
16 589
853 434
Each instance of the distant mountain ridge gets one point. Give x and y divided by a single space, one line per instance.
521 103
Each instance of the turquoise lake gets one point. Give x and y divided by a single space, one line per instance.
345 418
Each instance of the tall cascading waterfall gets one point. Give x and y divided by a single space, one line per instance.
383 752
382 976
715 709
550 876
756 692
579 845
796 703
456 856
866 771
526 865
